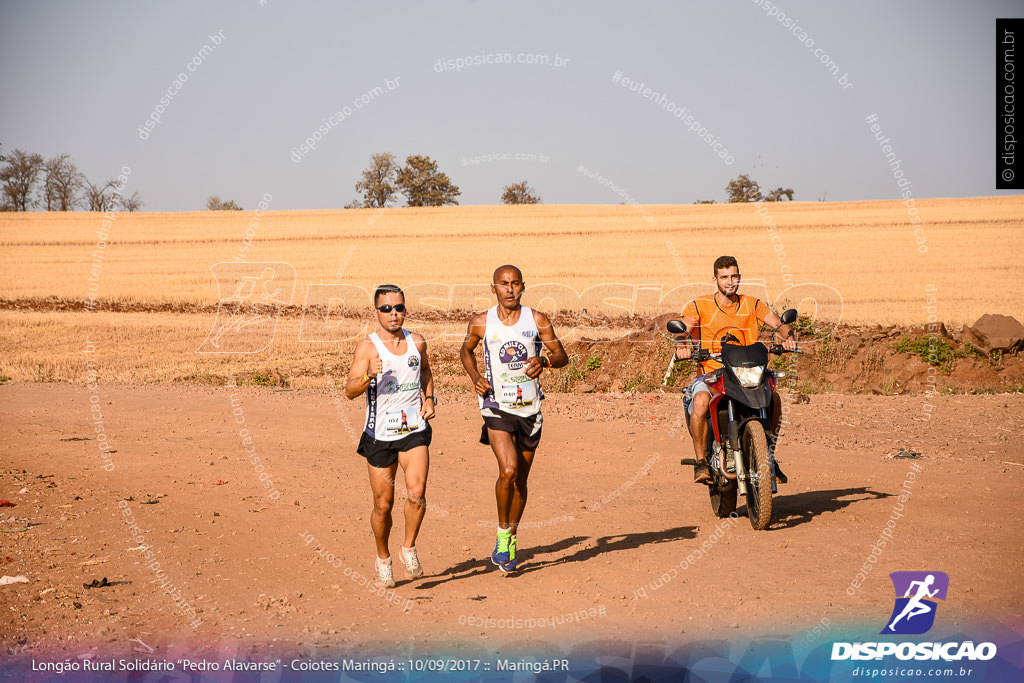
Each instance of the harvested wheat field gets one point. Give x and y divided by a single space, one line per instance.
867 251
151 294
143 530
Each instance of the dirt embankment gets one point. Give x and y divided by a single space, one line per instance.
876 360
847 359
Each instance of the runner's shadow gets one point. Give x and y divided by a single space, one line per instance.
475 567
800 508
605 544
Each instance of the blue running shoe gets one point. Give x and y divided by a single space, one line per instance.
501 555
512 563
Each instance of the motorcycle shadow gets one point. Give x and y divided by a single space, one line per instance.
800 508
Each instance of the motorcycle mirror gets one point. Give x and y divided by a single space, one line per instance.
789 316
675 327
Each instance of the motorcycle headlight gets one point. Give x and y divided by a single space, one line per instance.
749 377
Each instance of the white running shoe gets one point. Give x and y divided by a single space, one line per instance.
385 577
412 562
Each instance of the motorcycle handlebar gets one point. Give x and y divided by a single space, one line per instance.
702 355
778 350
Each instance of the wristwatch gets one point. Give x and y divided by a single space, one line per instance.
544 362
431 398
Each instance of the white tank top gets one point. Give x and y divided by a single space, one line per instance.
393 398
506 350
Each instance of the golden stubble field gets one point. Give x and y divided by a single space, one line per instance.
861 262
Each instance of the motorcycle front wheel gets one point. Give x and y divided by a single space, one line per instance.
759 483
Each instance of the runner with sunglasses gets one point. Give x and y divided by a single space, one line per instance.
391 368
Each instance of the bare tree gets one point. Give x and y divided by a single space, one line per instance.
378 182
101 198
131 204
62 183
19 178
520 193
424 185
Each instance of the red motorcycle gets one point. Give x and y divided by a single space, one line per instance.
740 450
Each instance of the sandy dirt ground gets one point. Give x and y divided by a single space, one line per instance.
617 541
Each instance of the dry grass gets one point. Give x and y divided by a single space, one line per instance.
628 257
162 347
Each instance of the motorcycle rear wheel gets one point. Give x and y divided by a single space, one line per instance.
723 500
759 484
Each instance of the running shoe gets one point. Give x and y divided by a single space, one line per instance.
500 555
413 570
385 577
512 563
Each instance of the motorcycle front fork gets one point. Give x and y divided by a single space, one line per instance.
766 420
741 467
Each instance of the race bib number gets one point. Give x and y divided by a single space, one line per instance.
401 421
517 395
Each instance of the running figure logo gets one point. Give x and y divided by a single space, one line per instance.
916 601
247 316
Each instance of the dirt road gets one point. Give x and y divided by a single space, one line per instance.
617 542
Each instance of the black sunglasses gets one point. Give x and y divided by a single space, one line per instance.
386 308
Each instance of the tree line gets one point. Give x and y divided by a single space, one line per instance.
28 181
420 183
743 188
384 182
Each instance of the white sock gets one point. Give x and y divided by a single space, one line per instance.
503 529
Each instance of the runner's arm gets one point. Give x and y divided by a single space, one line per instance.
557 357
362 370
476 331
426 379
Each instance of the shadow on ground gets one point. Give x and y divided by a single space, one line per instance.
583 547
800 508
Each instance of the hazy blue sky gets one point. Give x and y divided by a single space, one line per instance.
82 77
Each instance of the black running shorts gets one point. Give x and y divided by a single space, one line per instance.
525 430
385 453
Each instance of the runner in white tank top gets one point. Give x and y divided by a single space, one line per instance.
507 349
393 400
392 367
510 396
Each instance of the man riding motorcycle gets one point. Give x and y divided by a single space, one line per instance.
708 320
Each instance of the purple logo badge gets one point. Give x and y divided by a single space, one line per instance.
917 596
513 354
